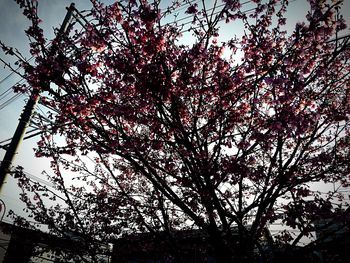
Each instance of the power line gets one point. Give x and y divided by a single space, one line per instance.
345 37
209 9
8 90
178 9
9 75
5 93
38 179
183 6
28 111
9 139
15 97
9 101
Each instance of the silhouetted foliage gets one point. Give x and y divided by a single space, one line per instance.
170 129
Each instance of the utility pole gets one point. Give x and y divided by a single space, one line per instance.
27 113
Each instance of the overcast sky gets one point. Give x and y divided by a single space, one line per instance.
52 12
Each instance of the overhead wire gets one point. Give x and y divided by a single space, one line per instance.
247 11
18 95
38 179
6 92
182 7
209 9
9 89
8 76
11 100
14 96
41 132
13 72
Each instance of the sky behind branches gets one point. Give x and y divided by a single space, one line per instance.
52 12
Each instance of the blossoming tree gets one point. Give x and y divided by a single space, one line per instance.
209 135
